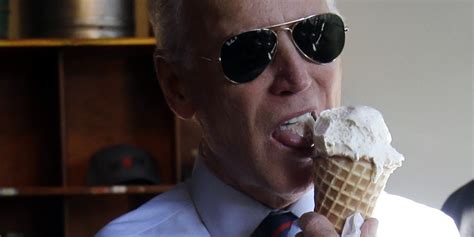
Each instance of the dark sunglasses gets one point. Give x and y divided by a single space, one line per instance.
319 38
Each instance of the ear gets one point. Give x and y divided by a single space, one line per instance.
174 89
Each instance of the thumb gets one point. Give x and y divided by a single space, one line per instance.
369 228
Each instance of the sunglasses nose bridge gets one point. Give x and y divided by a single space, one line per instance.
288 29
283 28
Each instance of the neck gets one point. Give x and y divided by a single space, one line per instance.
264 195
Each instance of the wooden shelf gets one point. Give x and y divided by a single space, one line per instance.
63 100
81 190
77 42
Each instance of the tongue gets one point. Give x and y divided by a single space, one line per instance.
292 139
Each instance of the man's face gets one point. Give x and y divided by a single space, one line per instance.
242 124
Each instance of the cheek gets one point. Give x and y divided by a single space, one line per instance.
331 74
205 87
329 77
224 112
337 84
236 118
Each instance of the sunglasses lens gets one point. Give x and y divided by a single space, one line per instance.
245 56
321 38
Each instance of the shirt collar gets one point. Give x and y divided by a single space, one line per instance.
226 211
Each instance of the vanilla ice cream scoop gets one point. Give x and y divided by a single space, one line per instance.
357 133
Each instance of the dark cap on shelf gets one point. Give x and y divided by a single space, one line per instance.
122 165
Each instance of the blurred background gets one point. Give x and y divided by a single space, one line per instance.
74 18
85 134
413 60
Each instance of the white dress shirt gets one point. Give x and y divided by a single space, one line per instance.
205 206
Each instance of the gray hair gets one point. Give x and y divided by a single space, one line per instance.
167 23
170 29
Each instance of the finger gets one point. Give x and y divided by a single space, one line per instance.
369 228
316 225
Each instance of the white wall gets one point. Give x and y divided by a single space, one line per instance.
413 60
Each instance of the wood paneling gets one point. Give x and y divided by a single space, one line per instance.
60 102
113 98
26 216
29 129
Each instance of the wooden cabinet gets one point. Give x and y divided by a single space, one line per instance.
60 102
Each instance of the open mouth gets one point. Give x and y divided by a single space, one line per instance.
296 132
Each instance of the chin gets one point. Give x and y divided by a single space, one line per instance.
289 188
281 196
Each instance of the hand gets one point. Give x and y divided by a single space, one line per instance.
315 225
369 228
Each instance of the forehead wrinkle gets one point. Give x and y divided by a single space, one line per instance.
219 20
233 17
276 13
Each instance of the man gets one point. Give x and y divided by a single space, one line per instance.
244 70
460 206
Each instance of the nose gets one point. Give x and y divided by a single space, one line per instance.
289 68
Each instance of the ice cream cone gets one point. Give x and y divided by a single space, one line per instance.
344 186
354 159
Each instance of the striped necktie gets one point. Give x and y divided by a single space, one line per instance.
275 225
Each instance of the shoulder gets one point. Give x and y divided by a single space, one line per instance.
169 214
459 201
399 216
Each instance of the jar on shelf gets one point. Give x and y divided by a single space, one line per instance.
78 18
4 13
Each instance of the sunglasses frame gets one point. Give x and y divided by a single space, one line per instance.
285 26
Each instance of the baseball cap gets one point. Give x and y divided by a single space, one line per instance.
122 165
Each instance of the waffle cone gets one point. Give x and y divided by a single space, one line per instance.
345 186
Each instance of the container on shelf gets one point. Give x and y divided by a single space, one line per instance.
4 12
78 18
